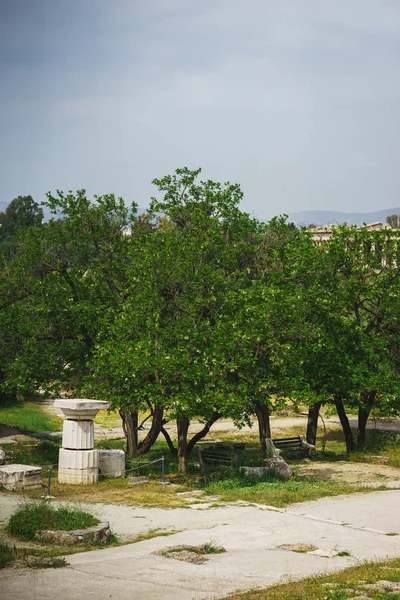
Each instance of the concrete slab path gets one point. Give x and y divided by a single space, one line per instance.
251 534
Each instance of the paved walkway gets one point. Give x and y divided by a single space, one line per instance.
251 535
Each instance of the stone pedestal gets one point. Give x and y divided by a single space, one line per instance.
78 476
78 459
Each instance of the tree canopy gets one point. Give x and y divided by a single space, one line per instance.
197 310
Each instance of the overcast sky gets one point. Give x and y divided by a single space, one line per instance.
297 100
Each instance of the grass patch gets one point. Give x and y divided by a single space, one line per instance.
43 452
33 517
108 419
278 493
153 533
28 417
337 586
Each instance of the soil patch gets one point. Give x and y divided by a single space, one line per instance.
369 475
192 554
299 547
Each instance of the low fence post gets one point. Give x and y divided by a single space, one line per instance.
48 482
49 496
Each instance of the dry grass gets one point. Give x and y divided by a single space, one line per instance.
117 491
153 533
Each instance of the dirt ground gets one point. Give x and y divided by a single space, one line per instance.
364 474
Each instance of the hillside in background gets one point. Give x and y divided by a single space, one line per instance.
325 217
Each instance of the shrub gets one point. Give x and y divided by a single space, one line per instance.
6 555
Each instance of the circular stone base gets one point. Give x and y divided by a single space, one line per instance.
97 533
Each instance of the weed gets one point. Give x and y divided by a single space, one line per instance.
30 557
203 549
39 562
335 595
343 553
211 548
6 555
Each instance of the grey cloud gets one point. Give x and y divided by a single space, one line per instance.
296 100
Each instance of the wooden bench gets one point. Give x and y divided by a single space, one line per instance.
294 445
221 455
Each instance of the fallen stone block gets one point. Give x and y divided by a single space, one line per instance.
277 467
18 478
138 480
273 467
112 463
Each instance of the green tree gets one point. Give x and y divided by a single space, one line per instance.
167 362
348 351
393 221
22 212
65 277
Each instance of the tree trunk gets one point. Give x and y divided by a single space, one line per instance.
312 423
130 421
264 428
367 400
154 431
348 434
182 426
130 427
169 441
200 434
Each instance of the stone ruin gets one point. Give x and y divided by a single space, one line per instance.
78 459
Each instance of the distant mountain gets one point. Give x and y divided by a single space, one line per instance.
325 217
